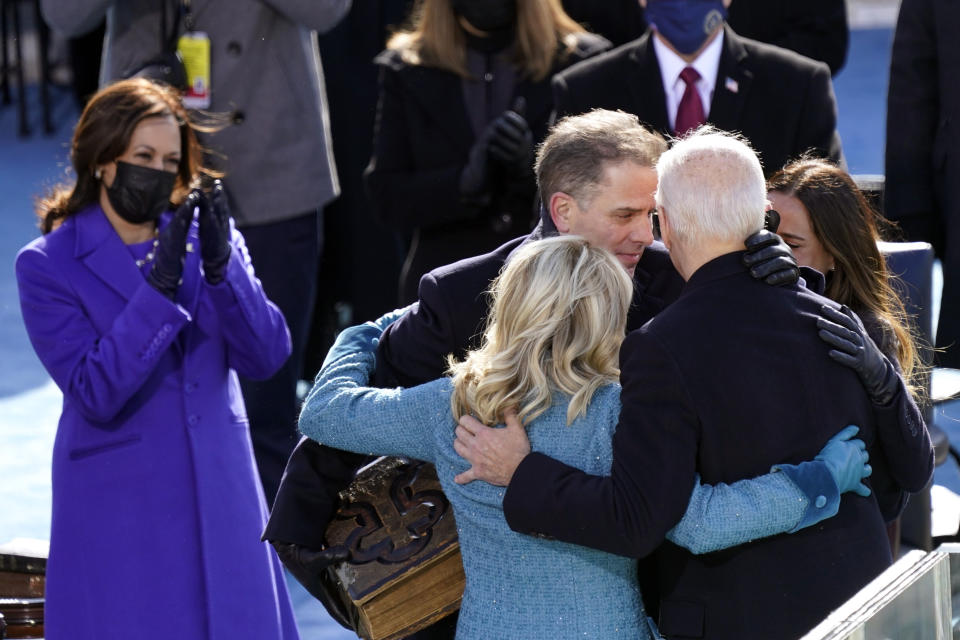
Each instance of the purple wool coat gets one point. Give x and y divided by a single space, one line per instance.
157 509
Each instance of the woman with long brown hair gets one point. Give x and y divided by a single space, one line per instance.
140 300
830 226
464 98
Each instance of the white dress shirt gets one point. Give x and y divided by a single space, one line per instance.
707 65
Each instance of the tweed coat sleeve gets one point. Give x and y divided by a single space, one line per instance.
256 333
341 412
97 373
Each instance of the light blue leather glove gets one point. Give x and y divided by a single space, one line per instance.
846 458
390 317
839 467
362 337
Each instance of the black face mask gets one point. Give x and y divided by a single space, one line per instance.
487 15
140 194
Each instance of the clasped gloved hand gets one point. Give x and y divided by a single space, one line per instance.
475 178
167 268
309 567
846 458
214 220
854 348
770 259
511 140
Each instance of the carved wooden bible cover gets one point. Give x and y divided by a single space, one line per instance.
404 571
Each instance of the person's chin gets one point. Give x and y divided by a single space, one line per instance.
629 260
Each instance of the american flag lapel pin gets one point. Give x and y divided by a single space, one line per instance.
731 85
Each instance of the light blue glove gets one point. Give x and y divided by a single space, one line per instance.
390 317
361 338
839 467
846 458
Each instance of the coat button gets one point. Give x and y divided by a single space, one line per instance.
193 419
234 48
238 117
821 502
190 387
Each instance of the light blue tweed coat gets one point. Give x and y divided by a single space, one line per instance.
519 586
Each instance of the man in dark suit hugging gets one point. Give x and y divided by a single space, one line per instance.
728 380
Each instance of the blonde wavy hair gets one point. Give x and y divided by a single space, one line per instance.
557 319
434 38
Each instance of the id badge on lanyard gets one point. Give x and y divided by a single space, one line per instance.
194 49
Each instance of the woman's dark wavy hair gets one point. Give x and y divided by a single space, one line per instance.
102 135
847 227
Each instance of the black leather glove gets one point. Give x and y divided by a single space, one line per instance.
475 177
167 267
309 567
770 259
855 349
214 219
511 140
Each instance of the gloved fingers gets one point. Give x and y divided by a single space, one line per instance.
318 560
767 252
862 490
845 359
839 317
511 121
846 434
763 270
762 238
175 233
218 200
784 276
867 471
506 156
839 336
520 106
857 324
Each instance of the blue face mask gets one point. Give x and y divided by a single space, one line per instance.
685 24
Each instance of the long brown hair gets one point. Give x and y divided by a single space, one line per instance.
102 135
434 38
847 227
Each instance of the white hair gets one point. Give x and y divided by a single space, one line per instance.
712 188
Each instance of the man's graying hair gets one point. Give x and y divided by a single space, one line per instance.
575 154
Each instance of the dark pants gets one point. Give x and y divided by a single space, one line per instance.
285 257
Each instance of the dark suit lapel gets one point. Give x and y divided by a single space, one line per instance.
103 252
646 85
733 84
439 93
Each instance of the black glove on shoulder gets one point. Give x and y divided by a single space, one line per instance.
854 348
309 567
770 259
214 219
167 268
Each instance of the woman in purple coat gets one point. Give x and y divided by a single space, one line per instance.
144 317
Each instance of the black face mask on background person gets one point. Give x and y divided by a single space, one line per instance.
140 194
487 15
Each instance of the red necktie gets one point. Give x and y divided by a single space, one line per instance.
690 111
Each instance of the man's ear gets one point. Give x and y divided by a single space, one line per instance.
561 208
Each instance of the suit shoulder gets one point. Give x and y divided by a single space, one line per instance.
783 58
601 66
480 269
586 45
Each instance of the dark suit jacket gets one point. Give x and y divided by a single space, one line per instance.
923 146
421 143
781 101
448 318
727 381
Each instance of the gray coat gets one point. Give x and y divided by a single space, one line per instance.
265 73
